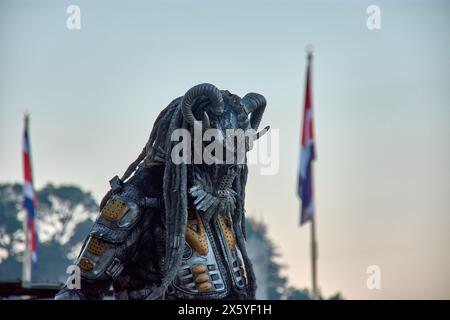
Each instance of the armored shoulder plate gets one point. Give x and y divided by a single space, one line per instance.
113 235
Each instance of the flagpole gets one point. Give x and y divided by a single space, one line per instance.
315 293
26 262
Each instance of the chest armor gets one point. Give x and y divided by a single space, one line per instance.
212 263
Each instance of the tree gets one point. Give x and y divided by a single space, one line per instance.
65 216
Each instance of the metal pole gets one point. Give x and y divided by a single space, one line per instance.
314 260
315 293
26 262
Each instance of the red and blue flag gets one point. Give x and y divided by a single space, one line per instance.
30 198
307 154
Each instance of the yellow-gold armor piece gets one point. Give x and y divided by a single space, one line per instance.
86 264
228 233
205 286
114 210
200 268
202 278
96 246
196 235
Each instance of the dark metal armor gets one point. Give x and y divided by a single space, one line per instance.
176 230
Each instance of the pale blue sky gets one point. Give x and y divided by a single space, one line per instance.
382 108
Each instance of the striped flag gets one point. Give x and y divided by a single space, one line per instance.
307 153
30 199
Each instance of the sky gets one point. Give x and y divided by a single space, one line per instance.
381 106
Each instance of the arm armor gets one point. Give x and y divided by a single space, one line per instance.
111 243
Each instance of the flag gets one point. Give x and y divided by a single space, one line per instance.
30 199
307 154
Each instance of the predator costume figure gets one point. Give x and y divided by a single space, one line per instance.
171 230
